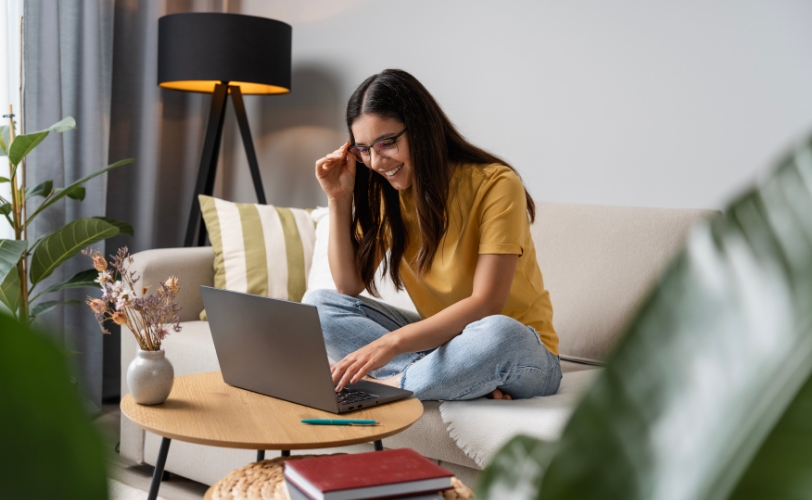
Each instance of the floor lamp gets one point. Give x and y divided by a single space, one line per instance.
224 55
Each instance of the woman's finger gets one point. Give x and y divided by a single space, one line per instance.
362 372
338 154
349 375
338 371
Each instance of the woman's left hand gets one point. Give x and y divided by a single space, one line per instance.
356 365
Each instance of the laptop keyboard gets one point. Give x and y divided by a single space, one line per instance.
349 396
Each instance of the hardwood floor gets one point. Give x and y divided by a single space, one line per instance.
140 476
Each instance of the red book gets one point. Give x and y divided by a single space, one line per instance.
377 474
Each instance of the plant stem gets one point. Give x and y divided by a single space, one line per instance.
17 200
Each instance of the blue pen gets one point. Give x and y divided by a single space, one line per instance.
327 421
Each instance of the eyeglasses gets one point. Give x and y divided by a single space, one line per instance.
385 147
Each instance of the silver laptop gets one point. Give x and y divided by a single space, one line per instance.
275 347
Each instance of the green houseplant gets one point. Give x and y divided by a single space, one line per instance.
709 394
49 448
23 264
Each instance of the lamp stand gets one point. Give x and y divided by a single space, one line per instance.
211 150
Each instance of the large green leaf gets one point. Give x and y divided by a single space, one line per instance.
44 188
84 279
65 191
123 227
10 253
66 242
518 468
24 144
4 140
709 393
10 292
77 193
49 448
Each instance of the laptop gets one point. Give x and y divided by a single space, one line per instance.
275 347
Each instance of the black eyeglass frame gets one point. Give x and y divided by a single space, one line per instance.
353 149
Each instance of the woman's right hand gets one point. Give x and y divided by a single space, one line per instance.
336 173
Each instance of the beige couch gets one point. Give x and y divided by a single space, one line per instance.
598 264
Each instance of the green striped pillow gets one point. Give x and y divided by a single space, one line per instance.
259 249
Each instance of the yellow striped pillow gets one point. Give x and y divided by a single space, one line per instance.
259 249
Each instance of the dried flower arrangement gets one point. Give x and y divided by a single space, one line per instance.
149 317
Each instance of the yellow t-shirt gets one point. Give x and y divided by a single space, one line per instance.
487 214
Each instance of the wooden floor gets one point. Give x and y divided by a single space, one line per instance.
140 476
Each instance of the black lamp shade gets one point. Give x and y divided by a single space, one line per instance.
196 51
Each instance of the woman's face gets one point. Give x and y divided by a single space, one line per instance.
392 161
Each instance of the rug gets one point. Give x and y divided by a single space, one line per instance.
120 491
542 417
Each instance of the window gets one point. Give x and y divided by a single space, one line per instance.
11 12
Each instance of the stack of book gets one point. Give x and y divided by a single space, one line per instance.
401 473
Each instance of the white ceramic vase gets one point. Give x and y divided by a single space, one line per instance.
150 377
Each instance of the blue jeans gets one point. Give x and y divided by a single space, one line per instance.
494 352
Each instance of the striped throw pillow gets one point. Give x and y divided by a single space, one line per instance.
259 249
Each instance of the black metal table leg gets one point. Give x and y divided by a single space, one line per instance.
285 453
378 445
260 455
159 469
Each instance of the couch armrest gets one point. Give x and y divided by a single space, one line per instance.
192 266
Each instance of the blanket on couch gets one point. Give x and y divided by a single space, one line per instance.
481 426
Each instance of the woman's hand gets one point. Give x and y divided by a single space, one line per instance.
336 173
356 365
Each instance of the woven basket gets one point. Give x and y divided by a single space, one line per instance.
265 480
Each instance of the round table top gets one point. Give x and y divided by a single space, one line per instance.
203 409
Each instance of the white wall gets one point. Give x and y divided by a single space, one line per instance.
10 15
629 102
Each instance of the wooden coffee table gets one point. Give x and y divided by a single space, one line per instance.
205 410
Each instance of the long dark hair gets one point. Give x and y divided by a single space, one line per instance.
436 148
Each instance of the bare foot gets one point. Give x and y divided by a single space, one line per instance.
497 394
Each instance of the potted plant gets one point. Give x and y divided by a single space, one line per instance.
24 265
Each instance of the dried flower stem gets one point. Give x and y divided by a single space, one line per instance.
147 316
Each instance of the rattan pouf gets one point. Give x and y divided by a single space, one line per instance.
265 480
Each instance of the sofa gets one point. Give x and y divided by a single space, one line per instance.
598 264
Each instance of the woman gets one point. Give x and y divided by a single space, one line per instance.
451 224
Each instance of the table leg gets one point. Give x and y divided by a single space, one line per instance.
260 455
378 445
159 469
285 453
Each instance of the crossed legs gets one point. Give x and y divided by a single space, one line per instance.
495 357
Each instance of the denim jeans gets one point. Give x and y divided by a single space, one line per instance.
494 352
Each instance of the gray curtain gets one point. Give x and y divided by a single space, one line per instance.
67 72
96 60
162 130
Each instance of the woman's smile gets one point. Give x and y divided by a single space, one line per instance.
391 173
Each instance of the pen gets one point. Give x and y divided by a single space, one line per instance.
327 421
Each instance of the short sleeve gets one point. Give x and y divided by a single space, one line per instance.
503 214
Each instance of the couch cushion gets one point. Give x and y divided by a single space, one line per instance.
191 350
321 278
259 249
599 263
